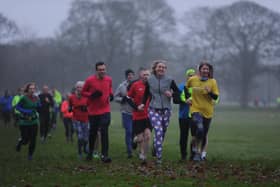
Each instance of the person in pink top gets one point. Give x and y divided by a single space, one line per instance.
67 119
78 104
98 90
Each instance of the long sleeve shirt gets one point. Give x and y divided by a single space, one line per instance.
98 105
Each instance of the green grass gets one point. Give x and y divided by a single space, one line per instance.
243 151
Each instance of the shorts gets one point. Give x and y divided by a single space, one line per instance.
206 124
139 126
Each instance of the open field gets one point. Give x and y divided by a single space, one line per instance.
243 151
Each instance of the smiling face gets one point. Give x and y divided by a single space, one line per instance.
101 71
160 69
204 71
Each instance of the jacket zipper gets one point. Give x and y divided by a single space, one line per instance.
160 94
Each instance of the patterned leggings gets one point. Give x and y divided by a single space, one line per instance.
82 130
159 121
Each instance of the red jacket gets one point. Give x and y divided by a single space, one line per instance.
64 109
76 103
100 105
136 93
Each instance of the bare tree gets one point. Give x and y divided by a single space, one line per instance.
156 20
8 29
101 31
241 36
122 33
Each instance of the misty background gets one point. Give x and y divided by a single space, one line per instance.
241 39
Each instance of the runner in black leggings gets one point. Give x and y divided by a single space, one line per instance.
28 120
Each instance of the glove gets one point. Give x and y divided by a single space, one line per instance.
70 109
124 98
96 94
83 108
111 97
176 98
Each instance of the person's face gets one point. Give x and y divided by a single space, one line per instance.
204 71
79 89
101 71
144 75
45 89
189 76
31 89
160 69
130 76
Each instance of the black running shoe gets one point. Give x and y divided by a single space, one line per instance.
18 146
106 159
134 145
89 157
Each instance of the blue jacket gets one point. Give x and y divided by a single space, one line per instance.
183 108
6 103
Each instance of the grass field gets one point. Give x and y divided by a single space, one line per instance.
243 151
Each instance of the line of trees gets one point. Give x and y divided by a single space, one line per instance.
240 40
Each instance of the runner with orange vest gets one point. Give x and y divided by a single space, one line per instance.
67 119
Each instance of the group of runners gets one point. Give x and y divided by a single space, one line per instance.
145 104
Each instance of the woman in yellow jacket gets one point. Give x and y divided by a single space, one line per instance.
204 94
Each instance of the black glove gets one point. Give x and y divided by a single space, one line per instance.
111 97
124 99
83 108
176 98
70 109
96 94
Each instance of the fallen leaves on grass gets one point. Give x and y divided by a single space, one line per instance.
250 173
84 168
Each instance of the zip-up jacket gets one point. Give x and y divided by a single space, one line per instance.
120 95
156 88
28 107
79 108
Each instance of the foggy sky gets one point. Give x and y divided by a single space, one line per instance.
43 17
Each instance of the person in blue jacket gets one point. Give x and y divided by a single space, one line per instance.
184 119
6 107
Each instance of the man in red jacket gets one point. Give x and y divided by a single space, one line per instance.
98 90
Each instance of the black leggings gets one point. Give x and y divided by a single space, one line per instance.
101 122
28 135
185 125
68 125
44 124
6 117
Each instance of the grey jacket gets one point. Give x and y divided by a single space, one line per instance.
157 87
121 92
